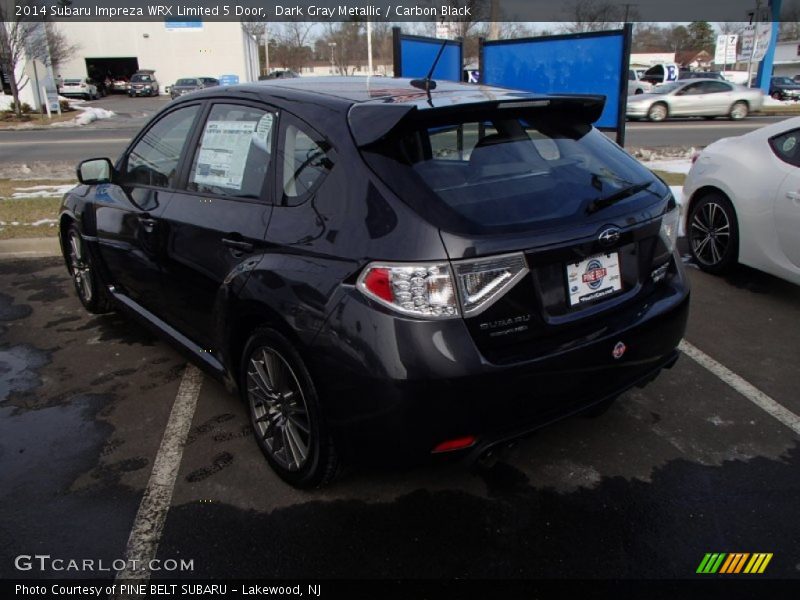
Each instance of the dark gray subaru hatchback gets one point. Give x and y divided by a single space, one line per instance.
385 269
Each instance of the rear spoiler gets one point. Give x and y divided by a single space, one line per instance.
371 121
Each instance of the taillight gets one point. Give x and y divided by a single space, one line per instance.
429 290
670 222
483 281
421 290
695 156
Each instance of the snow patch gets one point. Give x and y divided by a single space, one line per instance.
42 191
50 222
674 165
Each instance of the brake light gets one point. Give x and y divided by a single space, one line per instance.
456 444
420 289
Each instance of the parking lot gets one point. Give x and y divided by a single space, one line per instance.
683 467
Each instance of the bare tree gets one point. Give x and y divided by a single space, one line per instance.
60 47
789 27
293 48
598 15
348 47
20 42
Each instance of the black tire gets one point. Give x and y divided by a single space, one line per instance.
658 112
713 234
638 91
87 284
738 111
777 95
285 413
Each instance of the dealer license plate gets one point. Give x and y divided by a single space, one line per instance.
596 277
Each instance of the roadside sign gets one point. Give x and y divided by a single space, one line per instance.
725 51
228 79
748 41
763 38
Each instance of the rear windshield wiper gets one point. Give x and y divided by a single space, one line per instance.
602 203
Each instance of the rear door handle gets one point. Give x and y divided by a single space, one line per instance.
239 245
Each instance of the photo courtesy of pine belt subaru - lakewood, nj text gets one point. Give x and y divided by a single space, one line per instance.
387 270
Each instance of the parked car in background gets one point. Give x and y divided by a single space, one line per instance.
120 84
701 75
387 272
143 83
286 74
784 88
635 83
743 202
79 86
695 98
191 84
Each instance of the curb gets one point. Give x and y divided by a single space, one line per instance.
29 248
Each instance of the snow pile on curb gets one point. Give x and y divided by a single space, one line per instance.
89 114
42 191
646 154
770 101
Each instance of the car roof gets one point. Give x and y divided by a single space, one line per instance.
373 105
379 90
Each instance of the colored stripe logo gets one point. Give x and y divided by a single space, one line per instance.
734 563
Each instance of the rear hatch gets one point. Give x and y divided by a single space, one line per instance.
547 222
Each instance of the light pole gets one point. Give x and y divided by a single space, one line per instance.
332 46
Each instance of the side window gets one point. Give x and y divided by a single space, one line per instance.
715 87
787 147
306 161
692 89
154 159
234 152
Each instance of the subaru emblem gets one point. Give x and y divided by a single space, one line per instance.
619 350
609 236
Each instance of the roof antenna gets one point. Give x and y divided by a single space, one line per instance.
428 83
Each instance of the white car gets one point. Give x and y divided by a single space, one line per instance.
636 85
743 202
79 86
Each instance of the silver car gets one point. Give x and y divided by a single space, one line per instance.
695 98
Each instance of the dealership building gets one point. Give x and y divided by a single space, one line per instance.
173 49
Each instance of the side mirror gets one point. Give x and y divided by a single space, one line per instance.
95 170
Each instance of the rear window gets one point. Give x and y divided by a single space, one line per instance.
505 171
186 82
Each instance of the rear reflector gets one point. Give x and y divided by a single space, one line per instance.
456 444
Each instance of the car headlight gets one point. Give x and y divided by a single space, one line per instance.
147 87
669 226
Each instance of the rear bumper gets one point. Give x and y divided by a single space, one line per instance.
399 413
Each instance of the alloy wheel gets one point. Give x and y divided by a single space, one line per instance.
710 234
739 111
280 413
80 268
657 112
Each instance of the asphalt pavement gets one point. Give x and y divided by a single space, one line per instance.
681 468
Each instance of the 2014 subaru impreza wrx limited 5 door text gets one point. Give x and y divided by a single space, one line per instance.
386 270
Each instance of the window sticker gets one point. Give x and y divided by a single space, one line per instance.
223 153
262 136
